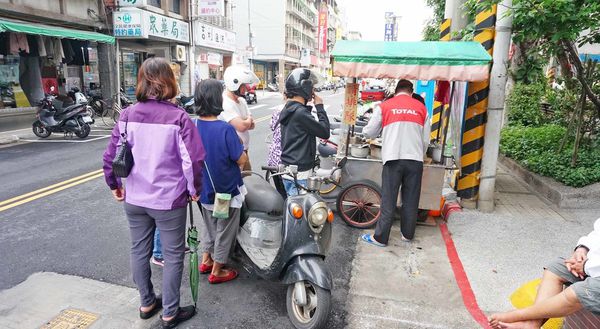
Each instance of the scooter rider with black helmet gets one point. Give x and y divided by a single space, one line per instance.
299 129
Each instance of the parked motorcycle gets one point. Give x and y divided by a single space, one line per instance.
251 95
186 102
273 87
97 105
7 95
287 241
59 114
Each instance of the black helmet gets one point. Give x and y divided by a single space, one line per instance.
301 82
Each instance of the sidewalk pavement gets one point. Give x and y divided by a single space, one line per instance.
505 249
52 300
412 285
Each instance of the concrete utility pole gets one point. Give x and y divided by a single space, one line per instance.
250 40
458 15
495 107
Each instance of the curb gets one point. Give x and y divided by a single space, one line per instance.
449 208
560 195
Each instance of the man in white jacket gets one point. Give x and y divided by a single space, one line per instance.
581 273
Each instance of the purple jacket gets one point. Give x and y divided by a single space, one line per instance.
168 155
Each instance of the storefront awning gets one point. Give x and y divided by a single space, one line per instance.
450 61
53 31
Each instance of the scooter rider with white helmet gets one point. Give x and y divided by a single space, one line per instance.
235 109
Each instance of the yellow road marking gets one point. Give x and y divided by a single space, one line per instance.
50 190
49 187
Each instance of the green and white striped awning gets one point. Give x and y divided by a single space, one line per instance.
53 31
426 60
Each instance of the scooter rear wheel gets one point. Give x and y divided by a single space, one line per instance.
39 130
84 132
315 313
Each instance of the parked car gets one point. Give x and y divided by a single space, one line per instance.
372 94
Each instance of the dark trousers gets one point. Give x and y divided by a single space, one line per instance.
397 173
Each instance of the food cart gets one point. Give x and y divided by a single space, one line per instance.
359 199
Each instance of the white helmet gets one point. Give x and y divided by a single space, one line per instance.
235 76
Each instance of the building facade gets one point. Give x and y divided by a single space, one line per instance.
214 38
282 36
151 28
52 46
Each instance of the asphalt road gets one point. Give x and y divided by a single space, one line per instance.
76 228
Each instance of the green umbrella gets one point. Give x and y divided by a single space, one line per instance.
192 241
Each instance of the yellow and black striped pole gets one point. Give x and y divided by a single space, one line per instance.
436 117
476 114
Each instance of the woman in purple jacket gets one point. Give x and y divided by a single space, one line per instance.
168 158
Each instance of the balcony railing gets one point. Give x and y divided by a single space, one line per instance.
220 21
308 19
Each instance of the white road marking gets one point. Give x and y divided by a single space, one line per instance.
257 107
12 131
97 137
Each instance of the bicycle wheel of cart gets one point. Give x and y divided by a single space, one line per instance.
359 204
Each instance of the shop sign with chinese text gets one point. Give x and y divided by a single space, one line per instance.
129 24
141 24
209 36
350 103
211 8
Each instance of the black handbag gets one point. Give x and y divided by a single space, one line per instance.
123 161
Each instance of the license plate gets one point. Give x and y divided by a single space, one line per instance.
87 119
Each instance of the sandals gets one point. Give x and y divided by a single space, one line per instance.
153 311
368 238
213 279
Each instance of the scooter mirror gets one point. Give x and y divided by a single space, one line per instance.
342 162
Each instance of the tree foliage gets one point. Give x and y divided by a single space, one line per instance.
431 32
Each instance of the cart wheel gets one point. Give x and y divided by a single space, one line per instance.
359 204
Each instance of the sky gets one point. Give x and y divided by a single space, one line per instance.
367 17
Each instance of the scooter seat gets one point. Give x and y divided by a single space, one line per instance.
71 107
262 197
326 150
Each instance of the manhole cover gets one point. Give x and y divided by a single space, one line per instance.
71 319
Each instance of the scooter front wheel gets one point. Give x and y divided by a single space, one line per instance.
39 130
311 310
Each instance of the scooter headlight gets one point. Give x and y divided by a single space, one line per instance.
317 215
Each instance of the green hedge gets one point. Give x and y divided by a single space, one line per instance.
524 105
536 149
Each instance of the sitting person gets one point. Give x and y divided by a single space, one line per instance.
581 273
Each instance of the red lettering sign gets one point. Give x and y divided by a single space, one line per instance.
323 28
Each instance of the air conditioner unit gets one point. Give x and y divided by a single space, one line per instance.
178 53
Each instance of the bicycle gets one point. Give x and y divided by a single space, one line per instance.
114 111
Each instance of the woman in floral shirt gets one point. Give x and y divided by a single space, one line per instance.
275 148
